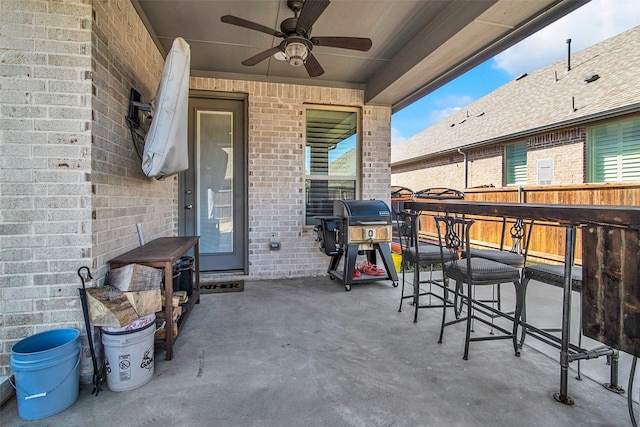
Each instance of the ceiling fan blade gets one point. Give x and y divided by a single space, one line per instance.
234 20
311 11
261 56
353 43
313 66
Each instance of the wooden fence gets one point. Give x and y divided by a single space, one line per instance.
548 239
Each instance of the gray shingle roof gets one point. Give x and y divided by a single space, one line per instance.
543 99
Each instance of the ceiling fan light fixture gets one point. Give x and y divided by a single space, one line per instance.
296 53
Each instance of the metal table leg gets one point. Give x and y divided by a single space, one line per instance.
569 250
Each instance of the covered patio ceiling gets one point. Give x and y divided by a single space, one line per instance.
417 45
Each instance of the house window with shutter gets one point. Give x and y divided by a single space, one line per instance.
515 164
331 158
614 152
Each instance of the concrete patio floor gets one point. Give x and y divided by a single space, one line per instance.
303 352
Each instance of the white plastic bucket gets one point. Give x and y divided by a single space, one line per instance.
128 354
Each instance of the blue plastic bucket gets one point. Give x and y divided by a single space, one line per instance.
46 372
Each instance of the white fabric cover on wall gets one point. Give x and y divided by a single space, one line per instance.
165 147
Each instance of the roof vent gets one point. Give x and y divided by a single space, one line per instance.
521 76
591 78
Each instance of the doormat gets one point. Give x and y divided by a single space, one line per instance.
220 287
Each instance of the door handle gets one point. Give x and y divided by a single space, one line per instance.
189 206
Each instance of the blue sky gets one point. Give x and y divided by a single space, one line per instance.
596 21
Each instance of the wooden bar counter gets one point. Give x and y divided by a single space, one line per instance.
163 253
610 273
617 216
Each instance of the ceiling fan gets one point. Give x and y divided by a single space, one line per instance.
297 44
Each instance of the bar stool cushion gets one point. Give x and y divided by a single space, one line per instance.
554 275
428 253
505 257
484 271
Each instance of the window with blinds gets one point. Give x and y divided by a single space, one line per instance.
614 152
515 164
331 159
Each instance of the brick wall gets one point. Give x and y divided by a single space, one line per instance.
486 164
376 153
124 57
443 175
276 169
566 149
45 157
72 189
437 172
485 172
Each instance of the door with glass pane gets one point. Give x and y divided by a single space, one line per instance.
213 190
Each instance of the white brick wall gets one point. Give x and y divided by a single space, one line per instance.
376 153
124 57
45 147
71 189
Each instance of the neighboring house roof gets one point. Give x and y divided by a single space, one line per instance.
547 99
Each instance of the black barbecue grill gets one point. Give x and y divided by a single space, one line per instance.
357 227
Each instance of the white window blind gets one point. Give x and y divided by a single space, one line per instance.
614 152
331 160
515 156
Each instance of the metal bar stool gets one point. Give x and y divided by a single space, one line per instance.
515 255
453 235
417 255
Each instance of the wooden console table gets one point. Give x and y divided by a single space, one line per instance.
163 253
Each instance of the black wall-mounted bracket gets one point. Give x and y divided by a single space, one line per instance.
134 120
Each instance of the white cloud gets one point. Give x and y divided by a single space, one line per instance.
592 23
450 104
455 100
396 137
436 115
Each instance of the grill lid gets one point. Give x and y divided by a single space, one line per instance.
363 212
